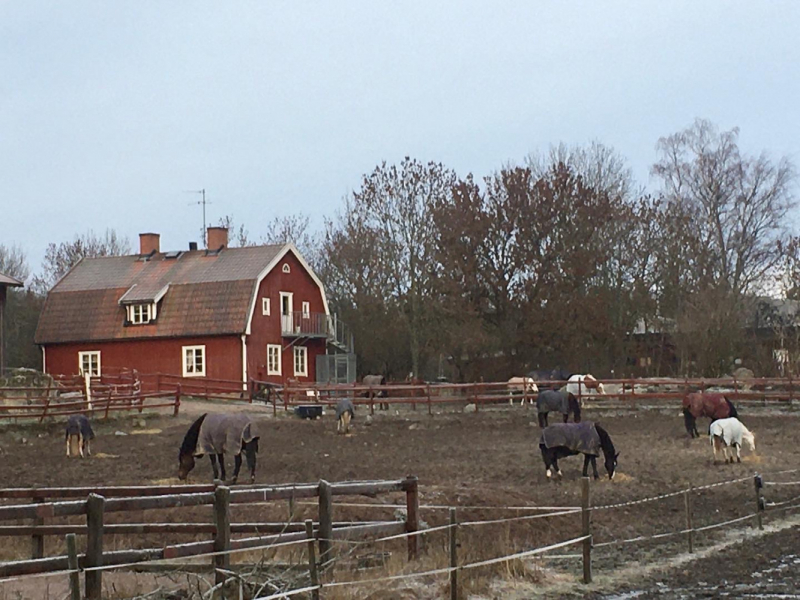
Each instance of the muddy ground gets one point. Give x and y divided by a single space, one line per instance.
488 459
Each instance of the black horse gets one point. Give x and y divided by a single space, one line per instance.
216 434
557 374
568 439
558 401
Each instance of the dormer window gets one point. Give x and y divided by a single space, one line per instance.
139 314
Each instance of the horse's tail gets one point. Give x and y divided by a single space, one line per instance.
732 412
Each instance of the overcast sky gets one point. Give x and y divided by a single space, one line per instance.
110 111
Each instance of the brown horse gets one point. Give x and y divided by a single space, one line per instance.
713 406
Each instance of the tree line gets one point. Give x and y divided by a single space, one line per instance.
555 261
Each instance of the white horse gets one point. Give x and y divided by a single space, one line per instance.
524 386
581 386
725 433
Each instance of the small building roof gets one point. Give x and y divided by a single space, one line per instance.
201 293
9 281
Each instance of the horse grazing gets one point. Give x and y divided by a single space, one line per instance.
557 401
524 386
373 381
713 406
215 434
345 411
584 385
568 439
79 436
725 433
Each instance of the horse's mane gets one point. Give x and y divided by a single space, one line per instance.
189 444
605 440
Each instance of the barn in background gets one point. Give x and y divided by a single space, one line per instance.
223 313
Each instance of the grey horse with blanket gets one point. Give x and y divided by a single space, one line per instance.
560 401
79 436
345 412
216 434
569 439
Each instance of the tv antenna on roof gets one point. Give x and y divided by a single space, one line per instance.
203 202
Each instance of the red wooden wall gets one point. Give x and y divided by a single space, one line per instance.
267 329
223 356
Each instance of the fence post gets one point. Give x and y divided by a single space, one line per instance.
177 401
312 560
325 523
95 508
37 540
586 521
453 555
430 408
222 540
475 396
46 401
687 501
72 565
758 483
108 403
412 515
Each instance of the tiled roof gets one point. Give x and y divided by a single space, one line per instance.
207 295
6 280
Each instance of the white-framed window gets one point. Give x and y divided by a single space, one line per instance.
300 361
194 361
287 268
274 359
306 310
89 363
140 313
265 307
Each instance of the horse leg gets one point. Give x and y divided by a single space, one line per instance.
542 421
88 447
714 447
250 452
594 467
67 445
213 458
80 444
738 454
566 417
221 458
237 465
586 460
547 462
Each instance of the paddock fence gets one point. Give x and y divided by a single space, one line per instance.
627 392
129 390
327 543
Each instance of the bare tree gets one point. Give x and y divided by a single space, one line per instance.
60 258
740 201
237 238
13 262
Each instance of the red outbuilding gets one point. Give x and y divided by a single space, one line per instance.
223 313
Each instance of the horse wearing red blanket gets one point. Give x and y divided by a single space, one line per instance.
713 406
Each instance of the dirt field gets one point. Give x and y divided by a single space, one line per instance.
486 459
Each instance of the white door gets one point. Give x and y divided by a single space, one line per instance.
286 311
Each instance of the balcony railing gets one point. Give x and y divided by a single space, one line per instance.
317 325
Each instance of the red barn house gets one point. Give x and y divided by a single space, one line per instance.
223 313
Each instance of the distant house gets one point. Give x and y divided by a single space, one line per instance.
223 313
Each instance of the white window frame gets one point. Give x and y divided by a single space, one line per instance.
301 351
90 354
184 354
277 349
286 268
265 307
141 314
306 310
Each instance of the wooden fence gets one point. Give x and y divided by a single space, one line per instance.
98 502
629 391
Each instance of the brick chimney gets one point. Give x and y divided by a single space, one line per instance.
217 238
149 242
